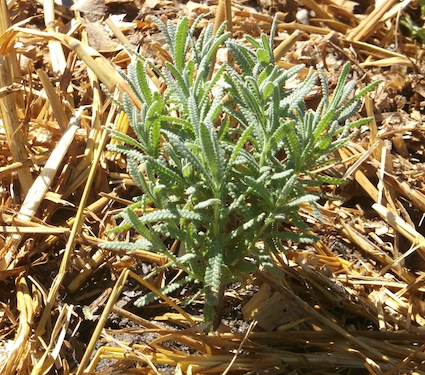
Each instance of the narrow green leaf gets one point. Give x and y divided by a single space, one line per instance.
244 57
260 190
176 81
168 289
308 198
238 147
142 244
286 190
184 152
323 124
180 44
207 139
297 237
139 179
212 202
142 80
326 179
167 31
263 56
164 169
282 175
214 270
121 137
193 109
339 89
255 43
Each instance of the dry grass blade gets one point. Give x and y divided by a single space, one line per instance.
403 228
224 13
101 67
361 159
371 23
360 177
317 8
33 229
54 100
76 228
102 320
322 319
286 45
51 355
390 61
21 344
164 297
379 52
416 197
38 190
9 105
369 248
45 178
55 48
86 272
98 257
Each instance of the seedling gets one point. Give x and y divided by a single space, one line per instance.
225 155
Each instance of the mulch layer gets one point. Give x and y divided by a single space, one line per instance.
352 303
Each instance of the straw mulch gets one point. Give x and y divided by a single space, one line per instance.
353 303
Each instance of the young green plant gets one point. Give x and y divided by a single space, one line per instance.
225 155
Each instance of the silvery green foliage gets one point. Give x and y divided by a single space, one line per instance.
226 156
